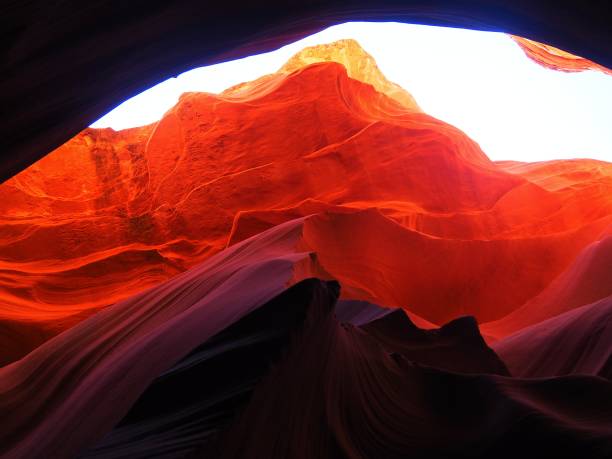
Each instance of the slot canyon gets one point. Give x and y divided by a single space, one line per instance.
304 265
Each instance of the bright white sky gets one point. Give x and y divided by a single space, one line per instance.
480 82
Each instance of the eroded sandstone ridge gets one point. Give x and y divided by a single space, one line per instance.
555 58
434 225
358 63
284 270
359 66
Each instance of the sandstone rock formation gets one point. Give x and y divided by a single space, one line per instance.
359 66
285 269
555 58
210 363
110 214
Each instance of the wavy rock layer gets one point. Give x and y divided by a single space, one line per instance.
588 279
555 58
75 387
576 342
370 402
172 290
184 368
413 213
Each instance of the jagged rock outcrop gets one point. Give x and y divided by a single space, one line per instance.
555 58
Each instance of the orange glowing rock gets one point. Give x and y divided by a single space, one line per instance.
403 209
555 58
359 65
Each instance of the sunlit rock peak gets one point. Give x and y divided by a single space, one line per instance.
359 65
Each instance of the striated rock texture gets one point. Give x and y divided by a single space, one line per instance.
359 66
358 63
411 213
288 270
225 361
555 58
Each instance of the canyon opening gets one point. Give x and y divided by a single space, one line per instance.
384 240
